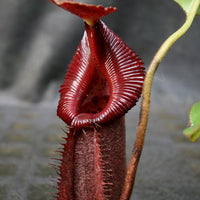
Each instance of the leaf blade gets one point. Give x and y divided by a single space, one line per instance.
195 114
198 11
186 5
193 132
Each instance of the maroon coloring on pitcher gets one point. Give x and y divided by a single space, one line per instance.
103 81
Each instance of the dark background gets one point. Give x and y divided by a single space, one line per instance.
37 42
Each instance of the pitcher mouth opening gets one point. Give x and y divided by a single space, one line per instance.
97 96
94 101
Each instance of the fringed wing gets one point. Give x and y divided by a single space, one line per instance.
66 170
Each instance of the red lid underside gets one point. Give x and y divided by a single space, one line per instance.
85 11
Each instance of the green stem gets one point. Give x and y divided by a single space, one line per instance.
146 96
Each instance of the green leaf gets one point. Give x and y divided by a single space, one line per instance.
186 5
198 11
193 132
195 114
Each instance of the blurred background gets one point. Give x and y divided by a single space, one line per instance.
37 42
